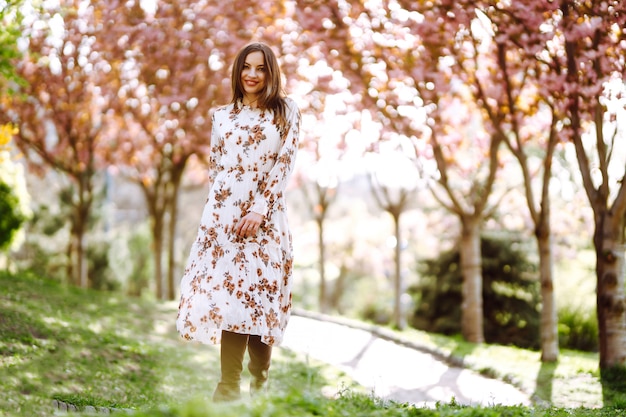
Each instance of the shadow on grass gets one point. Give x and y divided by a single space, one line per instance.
460 352
84 347
545 378
614 387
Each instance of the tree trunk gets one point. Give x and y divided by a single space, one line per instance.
611 300
81 247
394 202
608 237
157 237
398 313
471 269
70 253
171 251
339 289
171 248
608 240
82 209
81 259
319 208
549 326
323 296
155 202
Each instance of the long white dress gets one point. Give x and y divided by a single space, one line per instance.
239 284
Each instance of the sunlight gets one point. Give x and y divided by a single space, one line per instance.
149 6
54 320
95 327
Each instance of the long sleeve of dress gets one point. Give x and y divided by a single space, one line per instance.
215 152
273 187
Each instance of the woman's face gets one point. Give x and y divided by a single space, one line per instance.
253 74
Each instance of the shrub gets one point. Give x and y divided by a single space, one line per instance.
510 295
100 275
131 259
11 218
578 329
43 249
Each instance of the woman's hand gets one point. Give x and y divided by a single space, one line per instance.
249 224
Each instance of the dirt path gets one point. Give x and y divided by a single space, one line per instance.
392 371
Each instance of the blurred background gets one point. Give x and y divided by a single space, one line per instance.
449 155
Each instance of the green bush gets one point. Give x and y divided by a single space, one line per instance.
42 252
510 295
100 274
46 249
578 329
376 312
11 218
131 260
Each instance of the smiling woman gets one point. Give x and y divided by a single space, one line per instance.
253 78
236 288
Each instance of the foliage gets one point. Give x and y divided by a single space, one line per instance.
377 312
539 72
40 252
100 274
9 33
59 110
411 64
47 246
6 132
14 198
578 329
510 295
130 259
11 218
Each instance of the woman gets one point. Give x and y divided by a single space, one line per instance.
236 288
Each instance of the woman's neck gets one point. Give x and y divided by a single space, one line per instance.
250 101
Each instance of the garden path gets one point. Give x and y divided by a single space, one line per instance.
390 370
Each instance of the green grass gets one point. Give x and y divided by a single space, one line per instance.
91 348
571 382
94 349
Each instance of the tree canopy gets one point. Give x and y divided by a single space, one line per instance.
464 87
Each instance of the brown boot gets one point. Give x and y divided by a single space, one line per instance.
259 365
232 351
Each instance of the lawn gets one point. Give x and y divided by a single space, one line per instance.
572 382
102 351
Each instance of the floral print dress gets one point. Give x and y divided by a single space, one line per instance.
233 283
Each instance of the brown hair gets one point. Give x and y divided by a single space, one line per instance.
272 96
